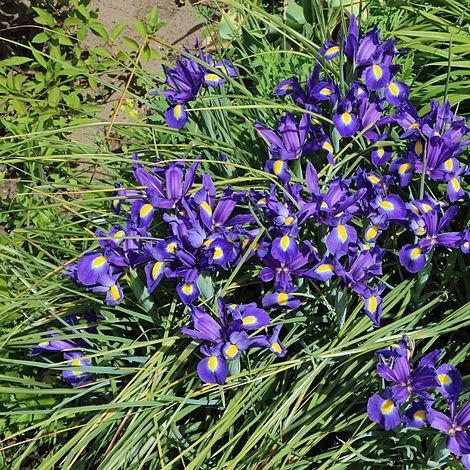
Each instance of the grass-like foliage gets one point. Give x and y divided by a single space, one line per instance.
266 156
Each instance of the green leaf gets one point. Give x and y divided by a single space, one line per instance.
99 30
130 43
41 38
140 28
54 96
117 30
12 61
44 17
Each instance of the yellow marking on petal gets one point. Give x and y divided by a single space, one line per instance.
262 201
324 268
414 125
114 291
444 379
119 234
178 111
327 146
342 233
393 89
249 320
403 168
426 207
325 92
43 344
208 242
332 50
387 407
455 184
415 253
277 347
206 208
278 166
420 231
419 415
372 304
98 262
76 363
418 147
373 179
380 152
371 232
212 77
218 253
282 298
171 248
323 205
231 351
287 86
449 164
346 117
394 345
245 243
145 210
156 269
377 70
289 220
187 288
466 245
285 242
387 205
212 363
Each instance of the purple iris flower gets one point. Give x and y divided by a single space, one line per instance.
72 374
455 427
406 380
384 410
415 415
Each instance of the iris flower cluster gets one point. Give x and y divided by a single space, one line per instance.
407 400
313 226
185 80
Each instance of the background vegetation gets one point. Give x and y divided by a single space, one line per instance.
146 409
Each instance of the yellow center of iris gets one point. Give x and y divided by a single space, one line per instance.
380 152
372 304
387 407
285 242
455 184
157 268
426 207
249 320
373 179
420 231
449 164
76 363
346 117
444 379
415 253
187 288
178 111
278 165
276 347
98 262
212 77
289 220
371 232
419 415
342 233
145 210
115 294
403 168
377 70
206 208
231 351
171 248
282 298
325 91
332 50
328 147
387 205
218 253
212 363
324 268
393 89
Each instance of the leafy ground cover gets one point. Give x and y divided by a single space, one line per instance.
144 405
